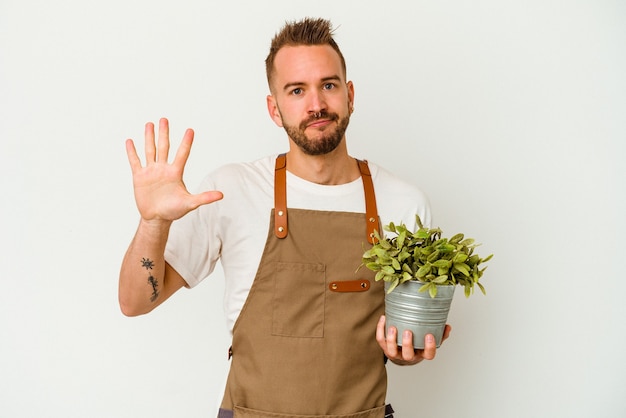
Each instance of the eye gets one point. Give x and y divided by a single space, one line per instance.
296 91
329 86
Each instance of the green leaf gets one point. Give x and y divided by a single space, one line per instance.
423 271
482 289
434 256
467 242
388 270
399 242
456 239
373 266
393 285
459 258
432 290
384 244
442 263
380 252
446 248
441 279
396 264
404 254
462 267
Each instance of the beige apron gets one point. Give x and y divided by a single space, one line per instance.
304 343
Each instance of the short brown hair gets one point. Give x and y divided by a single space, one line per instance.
307 31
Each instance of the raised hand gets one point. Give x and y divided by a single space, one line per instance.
160 193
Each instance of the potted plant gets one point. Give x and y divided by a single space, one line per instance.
421 270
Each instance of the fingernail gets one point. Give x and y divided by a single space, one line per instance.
430 338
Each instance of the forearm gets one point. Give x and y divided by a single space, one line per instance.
143 271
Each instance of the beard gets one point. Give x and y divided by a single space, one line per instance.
328 140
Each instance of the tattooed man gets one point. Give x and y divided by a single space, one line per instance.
308 330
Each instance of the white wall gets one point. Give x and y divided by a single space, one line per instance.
509 114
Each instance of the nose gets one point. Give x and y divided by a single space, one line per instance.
317 103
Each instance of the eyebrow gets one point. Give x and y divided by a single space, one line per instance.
301 83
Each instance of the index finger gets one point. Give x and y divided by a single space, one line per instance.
184 149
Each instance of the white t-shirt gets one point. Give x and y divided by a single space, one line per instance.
234 229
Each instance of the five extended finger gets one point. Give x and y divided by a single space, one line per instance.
133 158
184 149
200 199
149 145
164 140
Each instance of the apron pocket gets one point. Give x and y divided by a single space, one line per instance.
299 297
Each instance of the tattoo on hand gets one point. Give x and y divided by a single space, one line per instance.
152 281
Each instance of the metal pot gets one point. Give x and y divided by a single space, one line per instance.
407 308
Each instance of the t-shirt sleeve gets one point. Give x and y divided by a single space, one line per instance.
193 245
399 201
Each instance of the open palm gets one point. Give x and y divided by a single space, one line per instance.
160 193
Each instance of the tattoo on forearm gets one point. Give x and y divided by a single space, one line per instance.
152 281
155 284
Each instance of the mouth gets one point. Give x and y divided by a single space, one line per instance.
319 123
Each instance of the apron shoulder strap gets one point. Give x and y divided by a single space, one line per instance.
280 199
280 196
371 210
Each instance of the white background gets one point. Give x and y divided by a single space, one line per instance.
509 114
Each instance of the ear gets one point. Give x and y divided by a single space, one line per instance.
272 108
350 87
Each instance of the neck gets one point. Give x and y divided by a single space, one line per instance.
334 168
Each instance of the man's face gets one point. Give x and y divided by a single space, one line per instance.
310 97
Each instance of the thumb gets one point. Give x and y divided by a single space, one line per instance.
206 198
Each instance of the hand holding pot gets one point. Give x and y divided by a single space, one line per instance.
406 355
